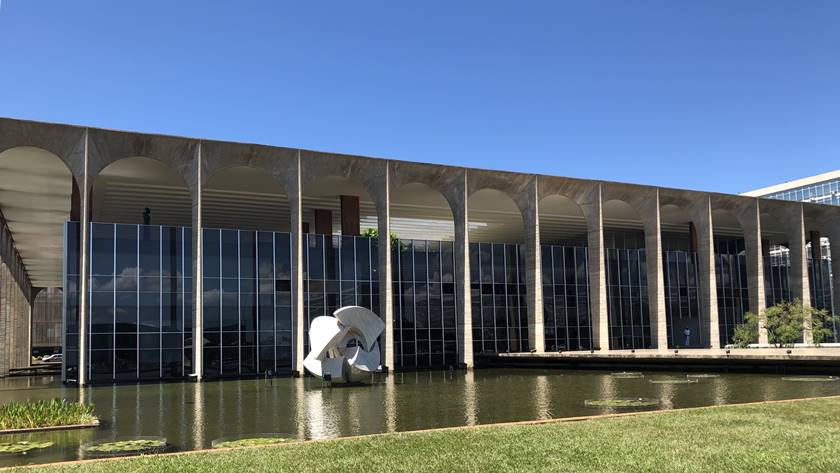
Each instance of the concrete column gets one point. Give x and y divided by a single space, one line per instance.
198 272
4 336
650 216
707 284
597 271
386 305
533 271
29 309
755 265
84 299
460 213
297 231
798 277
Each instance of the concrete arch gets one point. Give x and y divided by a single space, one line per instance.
421 212
66 142
562 221
245 197
180 155
494 217
446 181
124 188
371 174
519 188
279 163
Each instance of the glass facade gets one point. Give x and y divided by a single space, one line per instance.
827 192
819 279
776 276
247 302
682 309
339 271
140 290
72 231
731 282
627 299
425 308
499 306
565 279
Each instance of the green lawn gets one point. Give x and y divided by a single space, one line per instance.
779 437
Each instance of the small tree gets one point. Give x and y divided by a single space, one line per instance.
821 322
785 324
746 332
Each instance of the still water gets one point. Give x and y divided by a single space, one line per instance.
192 415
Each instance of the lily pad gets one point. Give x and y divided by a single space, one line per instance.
126 447
811 379
250 441
674 381
627 375
22 447
622 403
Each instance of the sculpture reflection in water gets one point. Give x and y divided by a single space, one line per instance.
344 348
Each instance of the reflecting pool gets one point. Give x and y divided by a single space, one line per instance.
192 415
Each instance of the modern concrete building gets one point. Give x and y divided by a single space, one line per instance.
184 257
822 189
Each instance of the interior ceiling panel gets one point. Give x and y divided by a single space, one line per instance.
35 193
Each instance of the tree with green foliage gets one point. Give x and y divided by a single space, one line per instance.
374 233
746 332
785 323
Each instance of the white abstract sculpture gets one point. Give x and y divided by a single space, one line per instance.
331 353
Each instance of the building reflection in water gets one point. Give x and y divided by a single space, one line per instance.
198 425
390 403
542 395
608 389
470 399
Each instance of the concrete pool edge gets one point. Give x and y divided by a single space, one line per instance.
426 431
32 430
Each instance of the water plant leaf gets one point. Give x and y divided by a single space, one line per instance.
23 446
249 442
638 402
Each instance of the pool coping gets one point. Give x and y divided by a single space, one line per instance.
421 431
50 428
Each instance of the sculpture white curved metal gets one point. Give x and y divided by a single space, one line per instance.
344 347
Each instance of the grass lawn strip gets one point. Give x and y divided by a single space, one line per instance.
790 437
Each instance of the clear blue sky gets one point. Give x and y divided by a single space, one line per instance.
714 95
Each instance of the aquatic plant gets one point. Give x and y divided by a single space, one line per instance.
674 381
23 447
637 402
140 445
39 414
811 379
250 442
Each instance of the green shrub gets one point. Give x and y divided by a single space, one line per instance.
747 332
38 414
785 324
